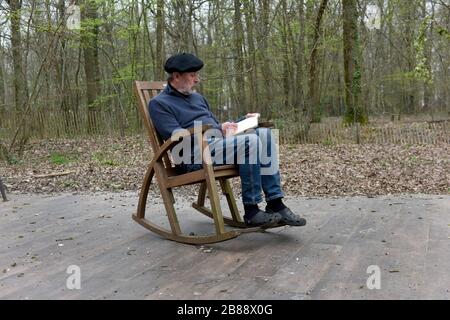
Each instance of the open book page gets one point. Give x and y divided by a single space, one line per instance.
246 124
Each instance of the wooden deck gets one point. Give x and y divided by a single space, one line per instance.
407 237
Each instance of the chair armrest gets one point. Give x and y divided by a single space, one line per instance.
189 132
266 124
175 139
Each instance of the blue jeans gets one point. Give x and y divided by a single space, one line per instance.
257 160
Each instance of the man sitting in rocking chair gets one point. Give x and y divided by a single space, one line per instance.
179 107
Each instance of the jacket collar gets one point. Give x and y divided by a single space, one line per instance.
172 91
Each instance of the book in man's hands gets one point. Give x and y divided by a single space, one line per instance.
249 123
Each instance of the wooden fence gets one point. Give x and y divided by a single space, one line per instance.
52 124
60 124
392 132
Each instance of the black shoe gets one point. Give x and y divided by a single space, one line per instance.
263 218
289 218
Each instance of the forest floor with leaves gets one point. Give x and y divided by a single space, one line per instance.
117 164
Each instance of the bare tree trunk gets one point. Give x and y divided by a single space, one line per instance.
2 82
313 112
91 62
160 56
352 70
239 98
20 82
408 15
299 61
249 12
266 69
60 66
62 84
182 33
287 42
427 90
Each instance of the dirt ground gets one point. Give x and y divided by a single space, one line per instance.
113 164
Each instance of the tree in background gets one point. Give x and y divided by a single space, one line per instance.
282 58
354 110
160 56
89 38
313 112
20 81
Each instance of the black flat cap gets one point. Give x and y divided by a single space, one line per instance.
183 62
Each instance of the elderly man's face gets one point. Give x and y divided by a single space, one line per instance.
185 82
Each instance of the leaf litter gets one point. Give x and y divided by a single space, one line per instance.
119 164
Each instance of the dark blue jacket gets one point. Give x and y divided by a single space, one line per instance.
171 110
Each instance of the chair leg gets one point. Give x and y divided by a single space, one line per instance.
168 200
202 195
226 188
172 198
214 200
236 220
170 210
144 192
177 236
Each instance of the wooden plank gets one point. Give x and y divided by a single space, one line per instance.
255 273
193 283
396 242
301 273
119 259
92 245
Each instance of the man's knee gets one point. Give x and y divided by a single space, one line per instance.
265 135
252 143
248 147
248 140
261 131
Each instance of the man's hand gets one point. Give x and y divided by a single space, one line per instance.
249 115
228 128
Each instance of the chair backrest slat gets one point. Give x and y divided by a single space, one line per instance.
145 91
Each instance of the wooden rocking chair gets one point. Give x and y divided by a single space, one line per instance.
167 178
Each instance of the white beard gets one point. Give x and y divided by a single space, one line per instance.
186 91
